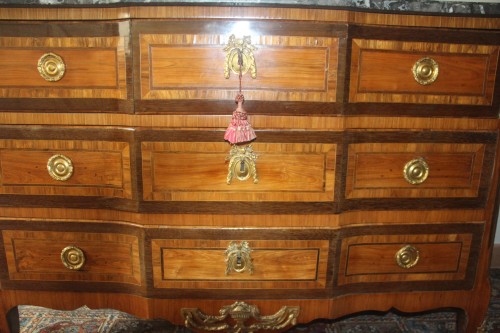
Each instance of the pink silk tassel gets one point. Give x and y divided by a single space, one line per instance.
239 130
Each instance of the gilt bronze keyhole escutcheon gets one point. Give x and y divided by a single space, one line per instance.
242 164
239 57
238 258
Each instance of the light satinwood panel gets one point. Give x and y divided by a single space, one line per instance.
95 67
194 263
36 255
415 123
375 170
289 68
192 171
389 217
381 71
445 258
258 121
372 258
100 168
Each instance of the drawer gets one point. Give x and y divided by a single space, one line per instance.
194 66
44 69
407 257
403 72
65 167
198 171
259 264
414 170
56 256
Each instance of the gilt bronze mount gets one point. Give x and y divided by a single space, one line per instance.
233 318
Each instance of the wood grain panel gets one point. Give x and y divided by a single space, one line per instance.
375 170
100 168
258 121
193 171
35 255
303 209
310 309
371 258
361 258
389 217
95 67
289 68
381 71
245 12
188 263
310 14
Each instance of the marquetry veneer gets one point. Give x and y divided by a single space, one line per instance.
96 67
379 72
35 255
376 161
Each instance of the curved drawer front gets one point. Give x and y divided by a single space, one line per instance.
91 72
264 264
404 258
79 66
192 66
104 257
65 167
414 170
198 171
383 72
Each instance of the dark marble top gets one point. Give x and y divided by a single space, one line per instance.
476 8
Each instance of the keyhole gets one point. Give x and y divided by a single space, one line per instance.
242 170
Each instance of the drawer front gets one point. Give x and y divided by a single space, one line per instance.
270 264
414 170
198 171
100 75
65 167
193 66
382 72
404 258
38 255
45 69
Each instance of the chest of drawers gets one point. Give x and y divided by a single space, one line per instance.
372 183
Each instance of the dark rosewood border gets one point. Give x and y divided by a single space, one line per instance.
221 107
62 29
343 139
475 229
487 138
241 207
64 105
183 106
25 132
145 236
430 35
76 226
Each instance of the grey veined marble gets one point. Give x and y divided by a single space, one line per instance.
488 7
